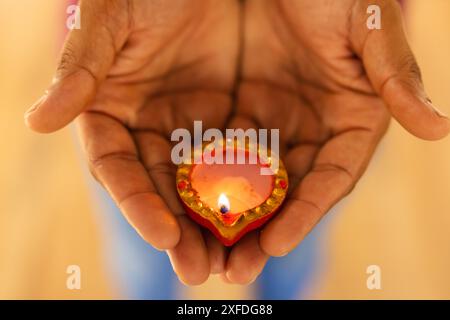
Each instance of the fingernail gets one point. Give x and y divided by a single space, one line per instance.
253 279
55 80
436 110
35 106
440 113
283 253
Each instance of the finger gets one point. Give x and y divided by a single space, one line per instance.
190 257
116 166
85 60
246 260
394 73
154 151
337 167
217 253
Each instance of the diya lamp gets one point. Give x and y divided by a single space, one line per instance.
231 199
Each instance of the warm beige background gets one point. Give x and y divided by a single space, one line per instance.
398 217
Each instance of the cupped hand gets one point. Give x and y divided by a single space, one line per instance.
315 70
134 72
139 69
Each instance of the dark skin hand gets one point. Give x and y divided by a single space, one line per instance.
137 70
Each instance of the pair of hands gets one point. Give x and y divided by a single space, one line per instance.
137 70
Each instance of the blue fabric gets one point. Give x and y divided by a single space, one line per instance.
138 270
290 277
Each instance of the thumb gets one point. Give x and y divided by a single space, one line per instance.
394 73
86 58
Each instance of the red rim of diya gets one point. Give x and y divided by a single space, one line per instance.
230 227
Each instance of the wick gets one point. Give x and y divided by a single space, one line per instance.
223 209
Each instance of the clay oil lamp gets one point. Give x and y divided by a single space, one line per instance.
231 199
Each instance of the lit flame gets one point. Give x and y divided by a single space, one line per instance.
223 202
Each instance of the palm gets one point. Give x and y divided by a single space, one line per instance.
312 91
170 61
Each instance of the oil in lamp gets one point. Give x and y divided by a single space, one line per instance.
231 199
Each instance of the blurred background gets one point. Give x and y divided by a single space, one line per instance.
398 217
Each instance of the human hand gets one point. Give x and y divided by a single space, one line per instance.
134 72
313 69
